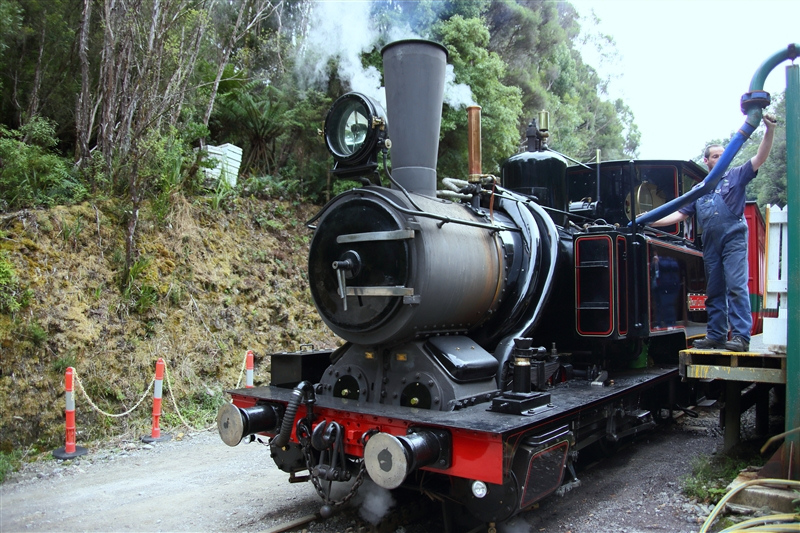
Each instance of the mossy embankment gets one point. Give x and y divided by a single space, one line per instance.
208 284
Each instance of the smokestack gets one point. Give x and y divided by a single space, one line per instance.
414 72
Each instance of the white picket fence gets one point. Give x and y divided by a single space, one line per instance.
777 278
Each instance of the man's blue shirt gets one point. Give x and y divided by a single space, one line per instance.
732 187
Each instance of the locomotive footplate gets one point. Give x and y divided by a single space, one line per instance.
480 438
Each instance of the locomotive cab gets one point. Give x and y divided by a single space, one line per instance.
616 192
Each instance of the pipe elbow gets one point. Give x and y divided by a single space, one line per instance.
754 115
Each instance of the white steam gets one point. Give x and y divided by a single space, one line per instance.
342 31
374 502
515 525
456 95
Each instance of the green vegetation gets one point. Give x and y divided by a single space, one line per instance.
207 286
9 462
242 77
711 475
37 334
33 173
199 410
12 296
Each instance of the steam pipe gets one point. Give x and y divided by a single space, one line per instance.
304 389
474 142
752 105
546 241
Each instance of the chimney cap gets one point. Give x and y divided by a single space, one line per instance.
414 41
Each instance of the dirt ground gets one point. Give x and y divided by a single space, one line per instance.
199 484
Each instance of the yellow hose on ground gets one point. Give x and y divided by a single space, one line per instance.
770 482
777 523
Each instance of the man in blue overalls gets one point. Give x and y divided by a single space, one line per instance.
721 215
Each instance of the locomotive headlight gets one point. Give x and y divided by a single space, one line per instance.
479 489
355 130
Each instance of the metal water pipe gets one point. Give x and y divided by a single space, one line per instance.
791 448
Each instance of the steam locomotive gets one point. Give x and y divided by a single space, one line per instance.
493 330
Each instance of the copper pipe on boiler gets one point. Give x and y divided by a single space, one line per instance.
474 142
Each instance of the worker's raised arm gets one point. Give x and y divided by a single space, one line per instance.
766 143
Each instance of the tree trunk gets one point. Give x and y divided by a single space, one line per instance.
130 233
261 10
108 84
226 54
83 108
33 103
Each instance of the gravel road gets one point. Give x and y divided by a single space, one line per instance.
199 484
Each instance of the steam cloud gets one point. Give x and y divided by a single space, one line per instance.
515 525
340 30
374 502
456 95
343 31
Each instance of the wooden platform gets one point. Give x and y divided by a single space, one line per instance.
739 370
758 365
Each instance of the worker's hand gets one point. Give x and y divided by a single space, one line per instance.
769 120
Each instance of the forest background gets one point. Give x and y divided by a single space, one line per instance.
113 250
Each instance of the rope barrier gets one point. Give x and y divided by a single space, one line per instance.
112 415
241 372
247 364
177 410
71 380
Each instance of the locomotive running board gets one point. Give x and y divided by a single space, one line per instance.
480 437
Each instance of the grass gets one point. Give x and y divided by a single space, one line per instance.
199 410
711 474
9 462
61 364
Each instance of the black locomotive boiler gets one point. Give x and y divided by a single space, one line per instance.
491 331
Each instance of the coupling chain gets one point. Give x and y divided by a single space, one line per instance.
304 436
